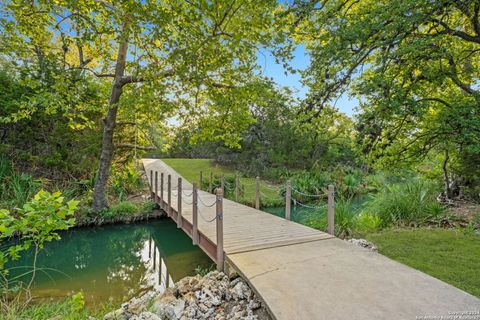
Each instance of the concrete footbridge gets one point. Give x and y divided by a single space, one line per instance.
300 272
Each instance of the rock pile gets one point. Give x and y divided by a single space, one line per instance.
213 296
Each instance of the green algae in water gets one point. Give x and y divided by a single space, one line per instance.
112 263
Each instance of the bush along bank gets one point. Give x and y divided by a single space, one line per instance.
213 296
122 212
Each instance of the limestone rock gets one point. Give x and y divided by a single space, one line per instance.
364 244
119 314
214 296
145 316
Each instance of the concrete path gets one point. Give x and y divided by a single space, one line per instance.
302 273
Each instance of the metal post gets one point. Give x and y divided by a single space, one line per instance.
237 188
220 254
195 214
179 203
210 184
156 187
288 199
201 181
331 210
161 190
169 195
257 193
222 183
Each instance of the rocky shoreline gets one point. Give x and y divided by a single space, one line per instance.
213 296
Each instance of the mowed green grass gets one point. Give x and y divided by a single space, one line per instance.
190 170
449 255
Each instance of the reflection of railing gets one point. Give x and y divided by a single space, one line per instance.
156 262
194 199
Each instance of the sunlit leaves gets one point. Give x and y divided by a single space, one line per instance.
413 64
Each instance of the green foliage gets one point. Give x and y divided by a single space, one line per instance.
68 309
203 271
348 182
126 180
366 224
77 302
127 209
345 218
276 139
406 204
15 188
37 222
413 64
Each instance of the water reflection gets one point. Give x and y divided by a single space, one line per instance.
114 262
157 270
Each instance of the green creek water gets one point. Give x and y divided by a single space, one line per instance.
315 217
114 262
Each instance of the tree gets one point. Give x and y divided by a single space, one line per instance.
414 66
161 50
271 134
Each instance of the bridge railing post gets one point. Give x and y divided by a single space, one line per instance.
169 195
331 210
156 187
288 199
161 191
195 214
257 193
151 184
179 203
220 254
201 181
237 188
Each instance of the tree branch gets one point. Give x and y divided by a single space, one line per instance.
458 33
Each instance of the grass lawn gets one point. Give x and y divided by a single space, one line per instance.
449 255
190 170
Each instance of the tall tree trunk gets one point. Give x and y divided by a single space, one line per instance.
99 193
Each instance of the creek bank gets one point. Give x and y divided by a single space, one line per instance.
126 219
213 296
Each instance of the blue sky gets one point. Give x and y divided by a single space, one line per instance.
300 61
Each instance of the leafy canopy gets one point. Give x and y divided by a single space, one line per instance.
413 64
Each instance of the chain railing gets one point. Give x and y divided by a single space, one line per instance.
198 202
292 195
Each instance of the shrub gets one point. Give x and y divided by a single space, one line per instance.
37 222
15 188
410 203
366 223
345 219
121 209
127 181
